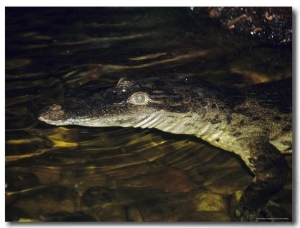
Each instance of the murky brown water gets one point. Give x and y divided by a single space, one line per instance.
120 174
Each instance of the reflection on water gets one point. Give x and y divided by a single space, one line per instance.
120 174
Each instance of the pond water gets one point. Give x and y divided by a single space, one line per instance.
121 174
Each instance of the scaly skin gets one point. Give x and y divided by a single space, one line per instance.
254 122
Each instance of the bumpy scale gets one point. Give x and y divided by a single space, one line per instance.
253 122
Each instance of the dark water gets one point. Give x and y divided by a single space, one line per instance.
121 174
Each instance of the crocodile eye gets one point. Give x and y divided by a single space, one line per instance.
139 98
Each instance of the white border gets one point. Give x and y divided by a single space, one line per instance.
146 3
143 3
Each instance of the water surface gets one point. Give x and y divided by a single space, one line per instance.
120 174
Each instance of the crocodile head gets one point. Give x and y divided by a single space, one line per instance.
152 102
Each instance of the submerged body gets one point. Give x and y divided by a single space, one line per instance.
254 122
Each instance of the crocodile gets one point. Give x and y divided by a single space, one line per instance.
254 122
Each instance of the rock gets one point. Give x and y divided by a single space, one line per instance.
208 201
170 180
134 214
270 25
39 202
219 180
